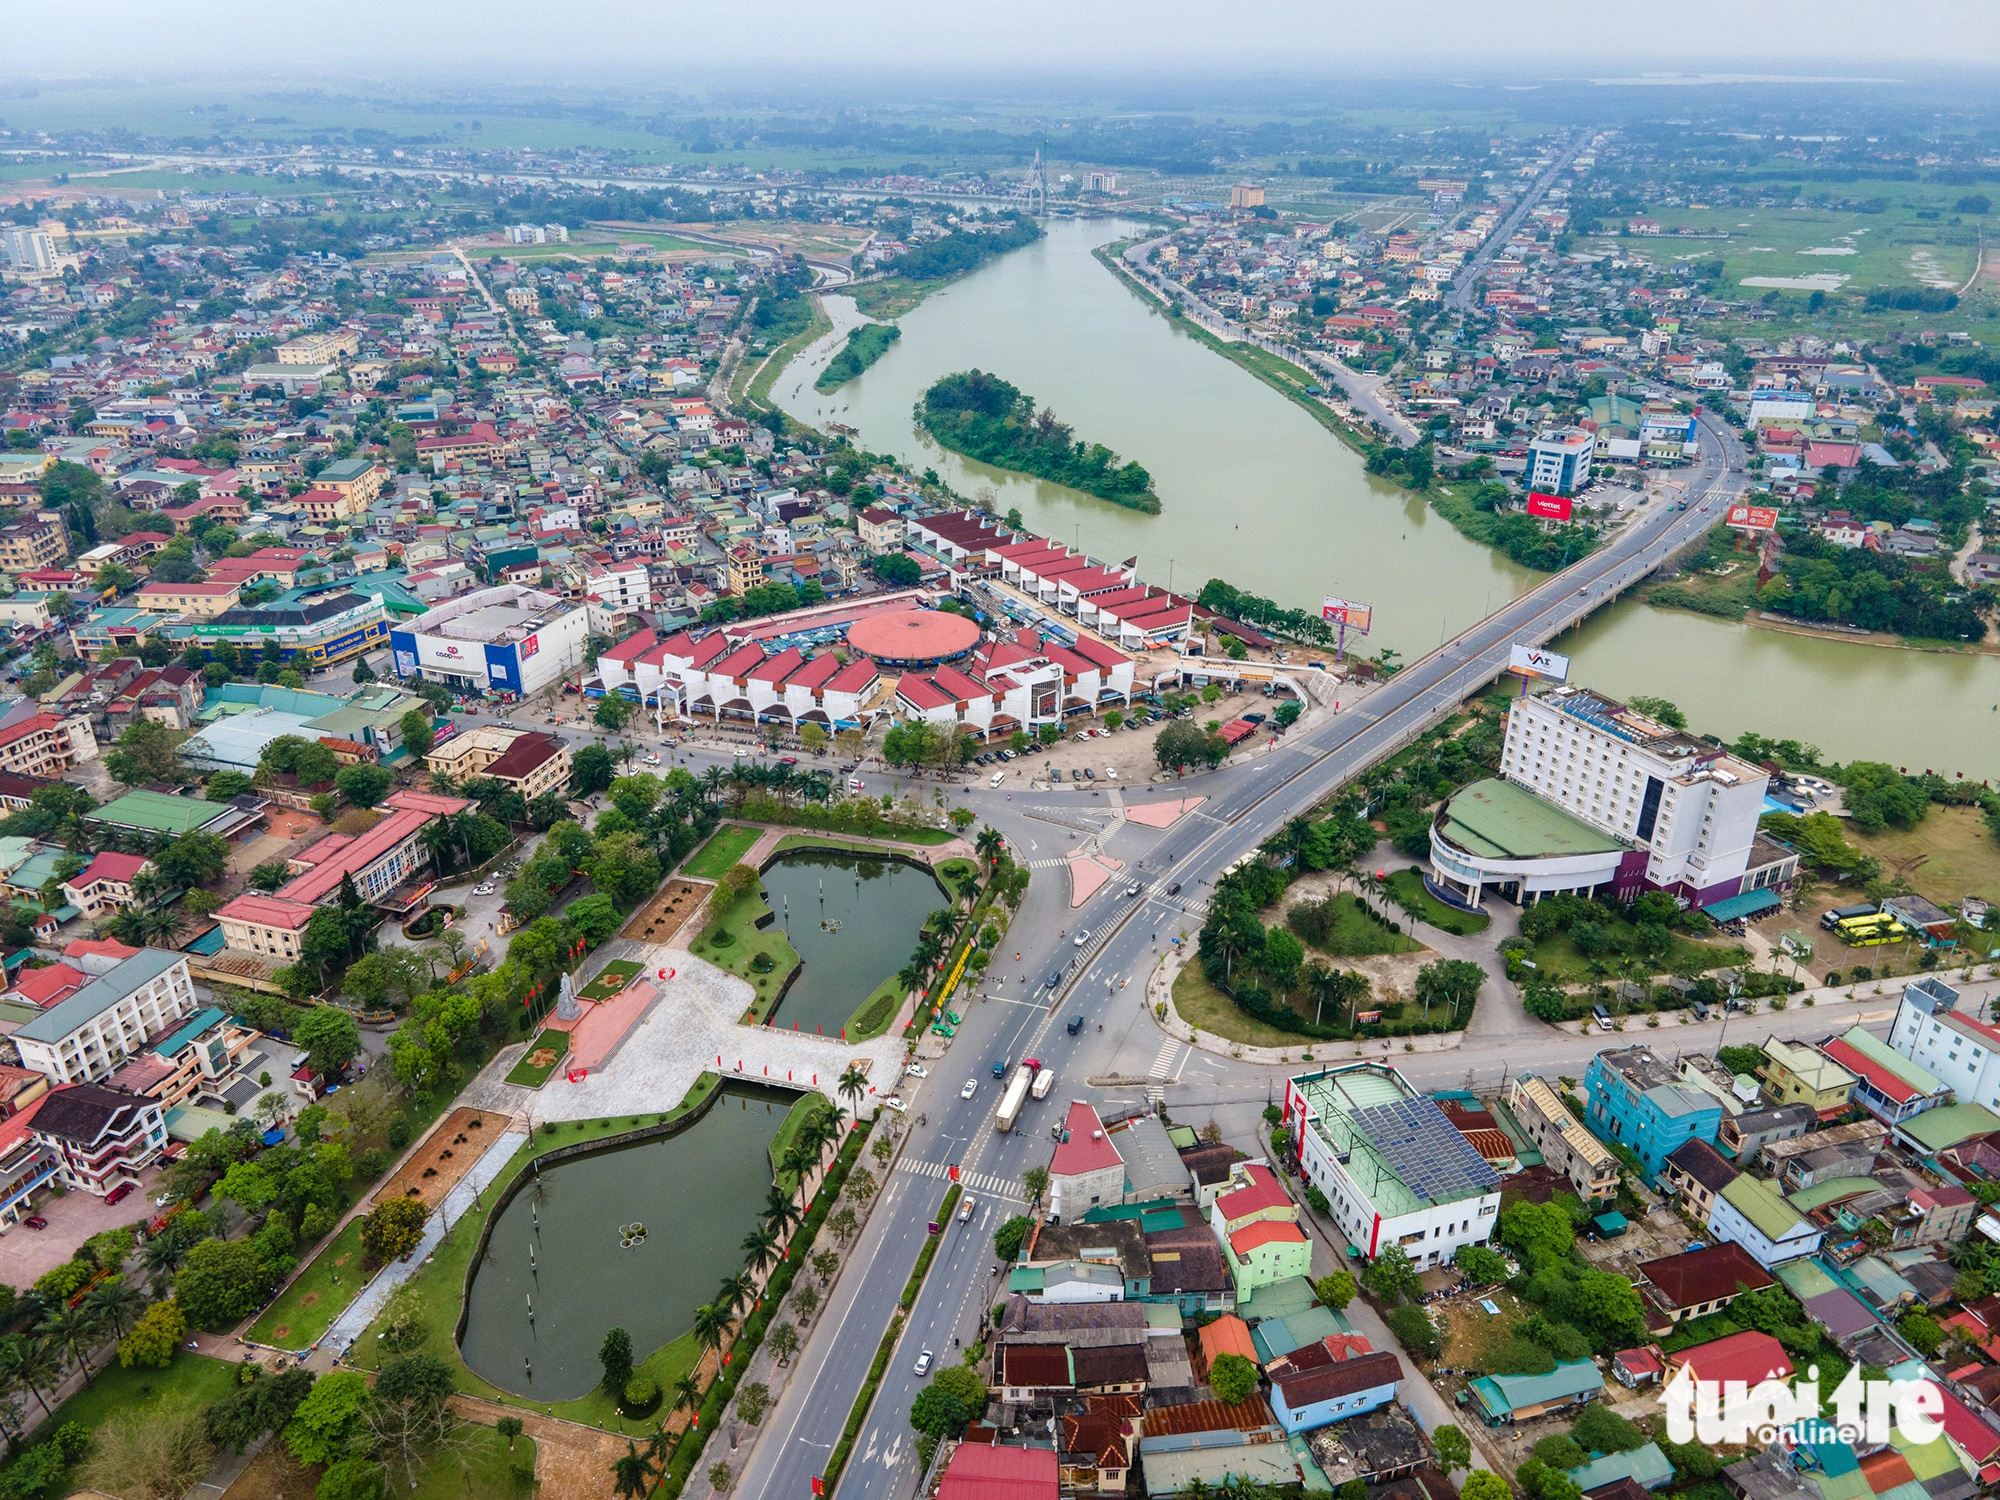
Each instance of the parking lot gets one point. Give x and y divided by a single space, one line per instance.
73 1217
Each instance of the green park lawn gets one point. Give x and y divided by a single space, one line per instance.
440 1283
313 1300
1407 886
1558 958
732 940
479 1467
619 971
117 1391
958 876
725 847
1206 1008
1357 933
526 1073
803 1110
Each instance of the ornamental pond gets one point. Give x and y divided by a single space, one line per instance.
854 920
633 1237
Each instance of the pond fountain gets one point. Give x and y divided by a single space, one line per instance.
634 1237
854 921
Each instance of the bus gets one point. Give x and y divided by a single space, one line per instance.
1872 931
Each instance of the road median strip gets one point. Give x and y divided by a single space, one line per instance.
857 1416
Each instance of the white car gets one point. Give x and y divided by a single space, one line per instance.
1110 773
895 1102
924 1362
971 1088
1082 936
653 758
915 1070
482 890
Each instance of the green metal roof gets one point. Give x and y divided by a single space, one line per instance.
1949 1124
159 812
1820 1194
1495 819
1759 1203
1503 1394
1648 1466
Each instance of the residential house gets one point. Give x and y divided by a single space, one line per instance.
1334 1392
1566 1145
1696 1283
1519 1398
1637 1099
1794 1073
1697 1173
1751 1213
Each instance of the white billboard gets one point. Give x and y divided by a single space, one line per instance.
1532 661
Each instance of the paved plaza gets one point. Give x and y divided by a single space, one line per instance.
682 1034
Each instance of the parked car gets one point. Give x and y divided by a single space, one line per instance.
915 1070
119 1194
36 1221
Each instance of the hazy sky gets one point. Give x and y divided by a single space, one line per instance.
621 38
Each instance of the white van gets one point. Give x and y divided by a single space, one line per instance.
997 778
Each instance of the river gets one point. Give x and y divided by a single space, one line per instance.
1254 490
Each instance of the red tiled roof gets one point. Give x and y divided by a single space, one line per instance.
980 1472
111 866
1748 1356
630 648
1088 1148
1698 1276
1880 1078
1228 1334
46 985
1266 1232
1262 1191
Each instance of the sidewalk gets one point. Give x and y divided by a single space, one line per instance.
350 1325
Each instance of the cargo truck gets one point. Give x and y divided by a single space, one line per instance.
1014 1098
1044 1081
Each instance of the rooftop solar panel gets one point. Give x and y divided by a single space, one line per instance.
1426 1150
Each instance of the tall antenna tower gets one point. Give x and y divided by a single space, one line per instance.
1038 186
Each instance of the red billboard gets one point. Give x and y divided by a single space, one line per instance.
1347 613
1753 518
1548 507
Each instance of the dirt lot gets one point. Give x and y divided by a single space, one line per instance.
1658 1234
1393 975
437 1166
660 918
1947 857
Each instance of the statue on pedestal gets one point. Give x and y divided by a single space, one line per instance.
566 1006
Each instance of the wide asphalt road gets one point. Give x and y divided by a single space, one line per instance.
1015 1017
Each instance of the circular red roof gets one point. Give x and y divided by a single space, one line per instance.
913 635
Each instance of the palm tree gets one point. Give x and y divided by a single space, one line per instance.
910 977
73 1330
711 1326
712 781
798 1163
659 1447
115 1302
853 1084
737 1291
160 923
31 1364
687 1393
989 844
631 1475
760 1247
781 1213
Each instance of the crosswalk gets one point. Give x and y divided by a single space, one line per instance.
972 1182
1163 1061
